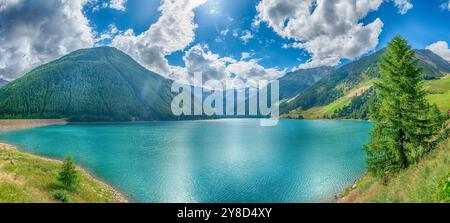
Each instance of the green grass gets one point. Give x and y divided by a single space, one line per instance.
420 183
25 178
439 92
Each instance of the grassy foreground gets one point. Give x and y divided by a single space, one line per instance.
25 178
426 182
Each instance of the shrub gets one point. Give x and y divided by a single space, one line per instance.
60 195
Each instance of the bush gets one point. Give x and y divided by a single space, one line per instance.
60 195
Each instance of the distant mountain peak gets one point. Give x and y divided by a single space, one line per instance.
296 81
97 53
3 82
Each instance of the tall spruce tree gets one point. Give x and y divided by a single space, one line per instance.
406 124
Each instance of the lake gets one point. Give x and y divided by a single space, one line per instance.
232 160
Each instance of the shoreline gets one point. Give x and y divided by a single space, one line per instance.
348 193
119 196
20 124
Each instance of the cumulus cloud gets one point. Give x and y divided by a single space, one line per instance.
445 5
173 31
213 67
36 32
224 32
246 36
235 33
247 55
118 4
403 6
252 72
200 59
107 35
328 30
440 48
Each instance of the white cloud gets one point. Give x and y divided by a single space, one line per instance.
35 32
251 72
246 36
328 30
107 35
445 6
235 33
213 67
440 48
200 59
173 31
224 32
118 4
246 55
403 6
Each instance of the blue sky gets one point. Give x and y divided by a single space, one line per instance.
251 40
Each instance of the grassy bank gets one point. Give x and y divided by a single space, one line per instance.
25 178
423 182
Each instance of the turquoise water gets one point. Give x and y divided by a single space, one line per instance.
211 161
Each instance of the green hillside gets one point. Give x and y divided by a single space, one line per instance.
335 85
329 97
439 92
99 84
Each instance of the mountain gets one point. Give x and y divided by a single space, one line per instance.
295 82
98 84
354 79
432 63
3 82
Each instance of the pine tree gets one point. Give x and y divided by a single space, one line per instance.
68 175
405 122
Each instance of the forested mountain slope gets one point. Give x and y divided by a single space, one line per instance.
101 84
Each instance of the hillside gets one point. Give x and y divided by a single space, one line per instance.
99 84
25 178
295 82
439 92
425 182
344 89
